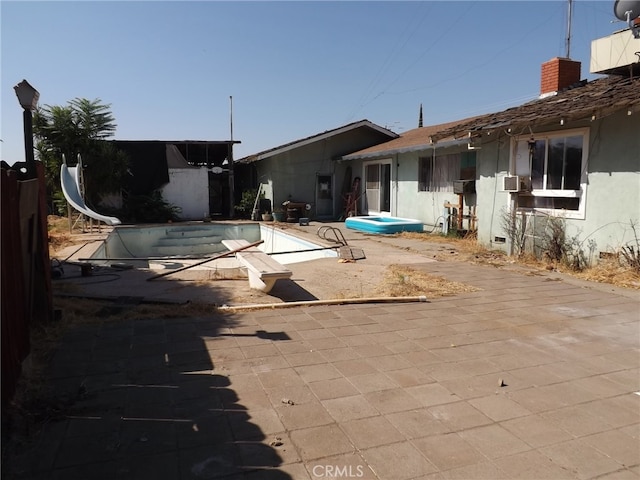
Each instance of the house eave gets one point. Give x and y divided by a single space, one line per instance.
396 151
316 138
177 142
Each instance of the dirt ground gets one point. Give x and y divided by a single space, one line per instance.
323 279
391 267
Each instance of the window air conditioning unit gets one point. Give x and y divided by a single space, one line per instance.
464 186
516 183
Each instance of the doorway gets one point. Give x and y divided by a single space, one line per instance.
378 187
324 196
218 194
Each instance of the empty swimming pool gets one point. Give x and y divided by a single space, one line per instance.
140 245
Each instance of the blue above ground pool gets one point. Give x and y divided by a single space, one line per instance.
383 224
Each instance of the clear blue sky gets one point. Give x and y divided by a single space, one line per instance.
294 69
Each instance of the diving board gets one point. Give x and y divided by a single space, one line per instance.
263 271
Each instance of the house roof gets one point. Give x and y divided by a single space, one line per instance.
586 100
314 138
411 140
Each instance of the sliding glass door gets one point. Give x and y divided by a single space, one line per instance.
378 187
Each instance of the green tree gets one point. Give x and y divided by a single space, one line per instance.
80 127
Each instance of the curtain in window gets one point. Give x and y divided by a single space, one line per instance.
445 171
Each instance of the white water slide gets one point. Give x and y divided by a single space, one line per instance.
70 179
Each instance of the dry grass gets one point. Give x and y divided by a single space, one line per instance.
466 248
402 281
610 271
60 237
58 232
76 311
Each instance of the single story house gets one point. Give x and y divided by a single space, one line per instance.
574 154
305 171
411 177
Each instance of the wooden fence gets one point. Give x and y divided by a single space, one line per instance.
26 293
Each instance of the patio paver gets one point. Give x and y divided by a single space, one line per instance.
528 377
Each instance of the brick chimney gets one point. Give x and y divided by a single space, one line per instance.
557 74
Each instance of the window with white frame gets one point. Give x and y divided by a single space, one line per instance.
555 163
438 174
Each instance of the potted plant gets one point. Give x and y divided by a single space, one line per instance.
278 215
267 217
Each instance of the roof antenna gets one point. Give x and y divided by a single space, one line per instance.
568 40
231 116
420 118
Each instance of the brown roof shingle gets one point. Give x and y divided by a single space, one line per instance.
597 98
411 139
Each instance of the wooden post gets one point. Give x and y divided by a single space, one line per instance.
460 209
473 219
43 287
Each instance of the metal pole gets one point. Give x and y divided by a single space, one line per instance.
232 181
230 160
568 43
231 115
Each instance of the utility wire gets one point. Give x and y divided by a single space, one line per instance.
476 67
446 31
393 53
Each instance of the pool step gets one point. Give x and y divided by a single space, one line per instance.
189 232
181 241
188 241
198 249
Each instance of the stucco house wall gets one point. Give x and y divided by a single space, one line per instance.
492 165
188 188
426 206
577 153
406 198
291 172
291 175
612 189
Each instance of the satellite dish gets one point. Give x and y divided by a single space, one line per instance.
621 7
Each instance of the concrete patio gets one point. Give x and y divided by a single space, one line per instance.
530 377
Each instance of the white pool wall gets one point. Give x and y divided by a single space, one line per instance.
133 242
276 240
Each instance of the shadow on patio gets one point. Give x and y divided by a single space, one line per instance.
142 399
